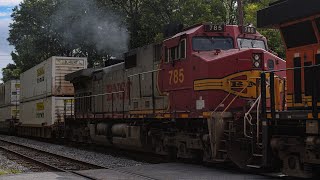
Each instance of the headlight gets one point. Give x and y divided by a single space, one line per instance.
256 64
256 57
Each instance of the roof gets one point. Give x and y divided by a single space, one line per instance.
286 11
187 31
81 73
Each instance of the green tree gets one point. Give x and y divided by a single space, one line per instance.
10 72
31 34
273 35
44 28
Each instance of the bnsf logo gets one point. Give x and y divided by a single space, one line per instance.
242 84
116 88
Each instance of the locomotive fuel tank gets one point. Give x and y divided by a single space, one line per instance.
119 130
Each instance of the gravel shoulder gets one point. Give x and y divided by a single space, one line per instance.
101 159
8 166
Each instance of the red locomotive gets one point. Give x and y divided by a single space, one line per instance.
186 97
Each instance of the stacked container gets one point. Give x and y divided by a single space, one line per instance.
44 91
9 100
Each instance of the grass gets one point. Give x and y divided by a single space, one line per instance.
10 171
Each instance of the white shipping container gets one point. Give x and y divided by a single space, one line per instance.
47 78
9 112
10 93
46 111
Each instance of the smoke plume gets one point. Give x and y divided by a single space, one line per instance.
83 23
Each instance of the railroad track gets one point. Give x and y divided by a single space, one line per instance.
52 162
70 165
46 160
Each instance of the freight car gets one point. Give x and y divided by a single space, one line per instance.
9 104
294 133
43 93
195 96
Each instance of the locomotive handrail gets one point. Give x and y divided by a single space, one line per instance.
147 72
221 102
248 117
96 95
279 70
234 99
90 96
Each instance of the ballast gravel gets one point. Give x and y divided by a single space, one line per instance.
100 159
8 166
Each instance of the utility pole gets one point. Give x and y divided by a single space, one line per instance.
240 13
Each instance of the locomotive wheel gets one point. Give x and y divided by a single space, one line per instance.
293 166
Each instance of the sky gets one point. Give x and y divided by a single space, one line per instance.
5 19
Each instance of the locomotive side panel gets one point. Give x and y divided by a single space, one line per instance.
129 90
144 94
115 88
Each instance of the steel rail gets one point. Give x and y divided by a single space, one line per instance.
45 164
70 159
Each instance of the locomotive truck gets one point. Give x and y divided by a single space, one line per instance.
195 96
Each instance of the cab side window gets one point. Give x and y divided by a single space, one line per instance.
182 48
177 52
270 64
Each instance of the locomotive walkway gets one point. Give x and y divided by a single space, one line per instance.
166 171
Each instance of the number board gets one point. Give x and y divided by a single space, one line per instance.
249 30
214 28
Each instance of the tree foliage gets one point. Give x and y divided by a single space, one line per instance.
273 35
10 72
90 27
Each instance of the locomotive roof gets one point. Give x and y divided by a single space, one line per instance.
81 73
287 10
189 30
115 67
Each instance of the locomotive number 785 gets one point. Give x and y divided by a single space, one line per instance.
176 76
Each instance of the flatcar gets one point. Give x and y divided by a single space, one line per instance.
195 96
294 133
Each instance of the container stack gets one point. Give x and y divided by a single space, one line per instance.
44 91
9 100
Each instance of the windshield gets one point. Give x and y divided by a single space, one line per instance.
212 43
251 43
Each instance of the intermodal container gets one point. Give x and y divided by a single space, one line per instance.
47 78
9 93
46 112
